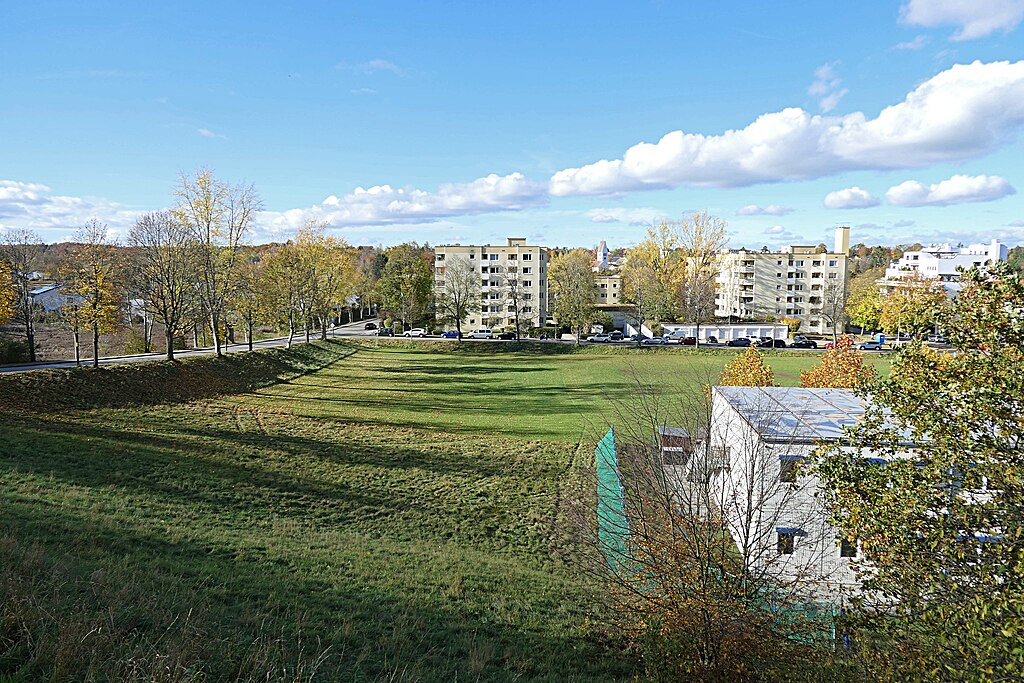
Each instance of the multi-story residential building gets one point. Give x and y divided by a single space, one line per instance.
795 282
609 289
941 261
512 275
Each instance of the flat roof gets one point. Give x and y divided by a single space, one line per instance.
792 414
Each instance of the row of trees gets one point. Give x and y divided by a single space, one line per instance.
188 268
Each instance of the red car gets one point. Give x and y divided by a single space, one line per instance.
688 341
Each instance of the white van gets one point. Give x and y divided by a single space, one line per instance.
482 333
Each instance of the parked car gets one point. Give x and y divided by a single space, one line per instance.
712 339
543 336
482 333
742 341
770 343
507 335
450 334
869 346
653 341
636 337
804 344
415 332
688 341
370 326
615 336
385 332
936 339
600 338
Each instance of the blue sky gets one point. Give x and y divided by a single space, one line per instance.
565 122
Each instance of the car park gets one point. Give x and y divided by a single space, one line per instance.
742 341
385 332
370 326
869 346
481 333
415 332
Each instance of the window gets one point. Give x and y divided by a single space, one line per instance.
787 541
799 264
527 296
527 257
527 283
440 257
831 264
483 269
848 547
815 264
472 256
527 270
527 309
495 309
439 283
604 295
484 283
778 274
493 257
512 257
495 283
720 457
832 276
787 469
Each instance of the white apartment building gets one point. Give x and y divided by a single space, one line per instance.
792 283
514 270
941 261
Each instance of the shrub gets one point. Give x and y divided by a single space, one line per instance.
13 350
135 343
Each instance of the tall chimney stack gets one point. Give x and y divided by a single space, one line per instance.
842 239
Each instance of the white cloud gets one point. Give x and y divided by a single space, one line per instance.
960 189
770 210
363 91
961 113
775 230
916 44
826 86
850 198
34 206
383 204
372 67
207 133
639 216
973 19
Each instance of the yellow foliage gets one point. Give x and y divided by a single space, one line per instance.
841 368
7 293
748 370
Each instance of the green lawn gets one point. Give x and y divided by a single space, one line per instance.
390 516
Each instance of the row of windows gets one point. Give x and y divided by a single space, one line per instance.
493 257
786 543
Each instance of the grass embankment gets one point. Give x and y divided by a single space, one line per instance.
353 511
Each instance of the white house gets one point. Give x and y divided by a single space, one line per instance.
941 261
758 438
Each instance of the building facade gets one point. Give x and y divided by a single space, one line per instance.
797 282
941 261
513 275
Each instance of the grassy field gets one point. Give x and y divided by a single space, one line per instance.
388 516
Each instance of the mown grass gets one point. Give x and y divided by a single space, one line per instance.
343 511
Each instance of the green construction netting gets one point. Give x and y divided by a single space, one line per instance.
612 528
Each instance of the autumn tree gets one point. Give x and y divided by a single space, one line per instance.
282 283
91 273
864 300
912 305
165 262
458 291
18 249
748 369
702 236
218 216
329 267
248 298
941 523
841 367
654 273
573 290
833 300
8 293
406 282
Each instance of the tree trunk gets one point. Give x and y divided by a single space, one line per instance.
248 333
195 336
78 346
291 329
323 325
30 337
169 334
95 346
697 336
215 332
